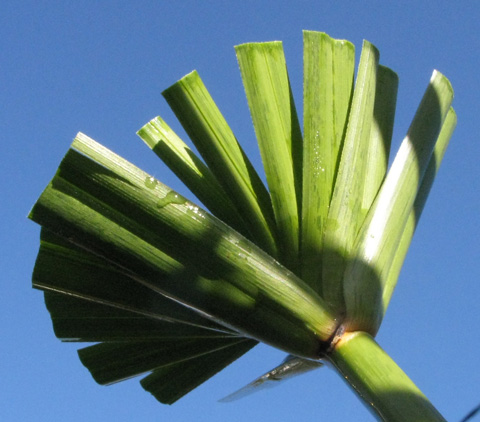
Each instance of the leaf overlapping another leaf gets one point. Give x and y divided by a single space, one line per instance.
169 289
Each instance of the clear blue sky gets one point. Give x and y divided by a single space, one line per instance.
99 67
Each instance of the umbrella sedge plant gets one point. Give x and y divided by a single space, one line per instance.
307 263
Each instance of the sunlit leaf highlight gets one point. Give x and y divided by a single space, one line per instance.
175 292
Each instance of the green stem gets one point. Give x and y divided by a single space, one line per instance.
379 381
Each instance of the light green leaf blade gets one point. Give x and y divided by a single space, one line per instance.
265 78
378 149
328 83
366 274
101 202
420 200
208 130
191 170
345 214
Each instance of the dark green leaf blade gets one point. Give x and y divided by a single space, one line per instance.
170 383
83 320
112 362
65 268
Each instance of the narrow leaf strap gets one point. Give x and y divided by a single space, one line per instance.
328 83
265 78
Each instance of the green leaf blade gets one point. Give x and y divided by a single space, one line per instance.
328 82
170 383
181 251
345 213
78 274
420 200
365 276
83 320
166 144
208 130
265 78
378 151
112 362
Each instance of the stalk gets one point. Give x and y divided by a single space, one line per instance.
379 382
